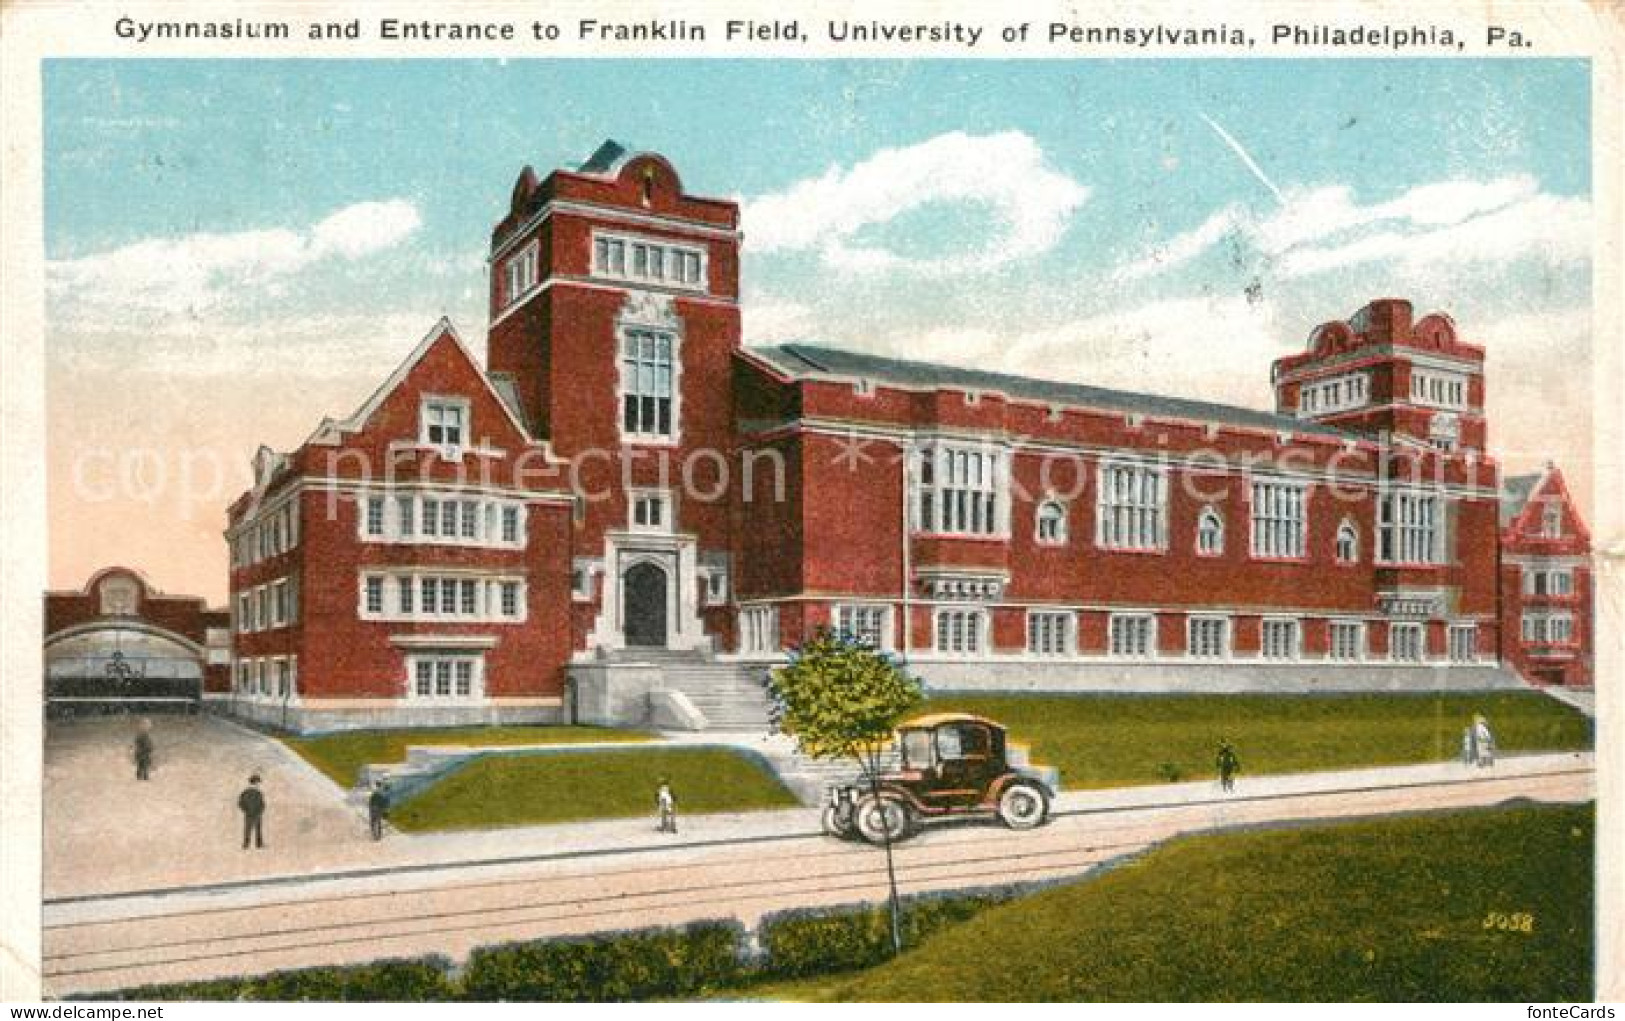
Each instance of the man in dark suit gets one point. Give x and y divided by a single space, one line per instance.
143 751
252 803
377 809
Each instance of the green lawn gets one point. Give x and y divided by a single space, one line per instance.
515 790
1391 909
1117 740
341 756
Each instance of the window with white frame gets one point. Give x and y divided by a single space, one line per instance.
1210 532
961 632
627 258
961 490
1207 637
867 624
245 613
520 273
1548 628
651 512
1439 388
716 586
1281 639
444 422
445 677
1279 526
1348 543
443 520
1410 528
1340 393
374 523
1051 523
648 390
1551 521
1551 581
1463 643
1347 640
759 629
1051 632
373 594
1132 635
1407 643
279 603
581 575
1131 507
410 595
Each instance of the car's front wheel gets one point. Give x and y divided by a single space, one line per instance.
885 819
839 822
1023 805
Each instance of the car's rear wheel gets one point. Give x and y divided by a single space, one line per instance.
1023 805
885 819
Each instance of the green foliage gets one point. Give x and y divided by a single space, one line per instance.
1119 740
420 980
567 786
840 698
804 943
1397 909
340 756
646 964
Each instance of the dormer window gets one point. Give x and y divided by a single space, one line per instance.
444 423
1551 522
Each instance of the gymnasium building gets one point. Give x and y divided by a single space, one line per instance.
625 512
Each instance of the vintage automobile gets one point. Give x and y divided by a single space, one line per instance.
951 765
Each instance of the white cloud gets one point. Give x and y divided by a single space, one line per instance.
150 281
773 320
1322 229
1031 203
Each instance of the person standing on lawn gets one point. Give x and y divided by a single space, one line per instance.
377 809
1229 764
252 803
1483 741
666 805
143 751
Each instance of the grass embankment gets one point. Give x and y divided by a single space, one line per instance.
1421 908
551 787
340 756
1117 740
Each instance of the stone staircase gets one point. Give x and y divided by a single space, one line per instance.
732 696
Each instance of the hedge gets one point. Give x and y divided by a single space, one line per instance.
823 941
424 979
644 964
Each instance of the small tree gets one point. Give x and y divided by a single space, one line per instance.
839 698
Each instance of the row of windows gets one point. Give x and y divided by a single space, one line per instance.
647 261
1548 628
445 677
443 521
1339 393
1551 581
272 605
1278 527
521 273
1440 389
272 676
273 534
413 596
965 631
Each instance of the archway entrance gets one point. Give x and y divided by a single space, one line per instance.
643 605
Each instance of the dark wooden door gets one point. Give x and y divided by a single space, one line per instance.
644 605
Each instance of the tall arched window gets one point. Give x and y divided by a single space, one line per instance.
1210 533
1051 522
1348 543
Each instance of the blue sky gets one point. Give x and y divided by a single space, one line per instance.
292 227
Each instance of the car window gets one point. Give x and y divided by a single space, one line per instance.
916 749
948 743
973 742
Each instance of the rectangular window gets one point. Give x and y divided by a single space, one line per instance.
521 273
510 524
1132 635
1050 633
866 624
444 423
375 515
1347 640
448 596
1409 527
1407 643
1280 639
1438 388
424 670
245 614
279 604
375 594
470 600
1548 628
429 589
656 263
961 491
446 676
1463 643
1278 520
959 632
647 383
403 516
1131 508
510 599
404 593
431 517
470 519
1208 637
448 518
759 629
649 512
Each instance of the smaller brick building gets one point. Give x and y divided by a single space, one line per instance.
120 644
1546 582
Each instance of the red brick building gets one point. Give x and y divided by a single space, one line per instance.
628 500
120 644
1546 582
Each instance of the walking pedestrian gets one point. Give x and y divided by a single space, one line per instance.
377 809
666 805
1483 741
143 751
1229 764
252 803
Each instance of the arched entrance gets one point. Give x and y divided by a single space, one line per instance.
644 597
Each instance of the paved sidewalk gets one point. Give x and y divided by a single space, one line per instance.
312 832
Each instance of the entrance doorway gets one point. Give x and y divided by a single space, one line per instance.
643 605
